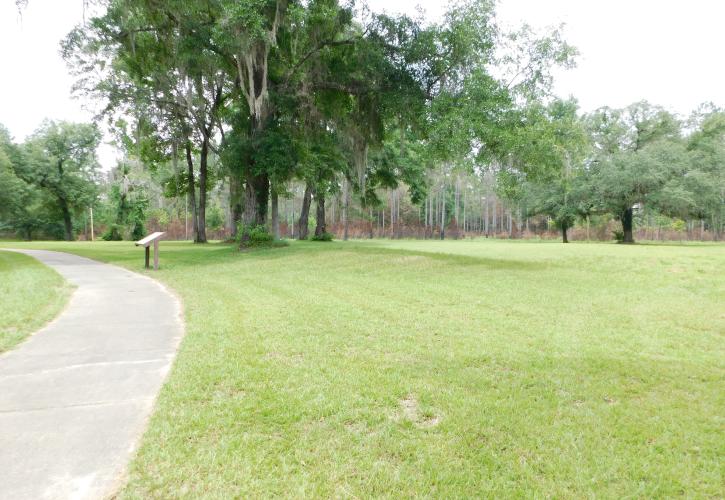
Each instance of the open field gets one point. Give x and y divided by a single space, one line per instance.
31 294
424 368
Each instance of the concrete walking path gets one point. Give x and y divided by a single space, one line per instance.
76 396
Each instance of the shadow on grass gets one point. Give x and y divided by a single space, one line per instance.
309 247
175 254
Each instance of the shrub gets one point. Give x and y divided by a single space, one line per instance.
618 236
215 218
256 237
138 231
323 237
679 225
113 233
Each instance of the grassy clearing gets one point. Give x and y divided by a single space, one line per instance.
31 294
454 369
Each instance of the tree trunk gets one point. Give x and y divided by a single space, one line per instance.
346 210
293 213
302 228
457 200
261 185
627 224
371 223
256 196
465 225
275 215
201 222
485 216
392 214
443 218
564 238
67 221
321 227
191 187
235 200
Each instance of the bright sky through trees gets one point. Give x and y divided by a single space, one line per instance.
665 51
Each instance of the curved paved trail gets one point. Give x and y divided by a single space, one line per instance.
75 397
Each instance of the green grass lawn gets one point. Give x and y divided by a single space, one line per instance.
31 294
446 369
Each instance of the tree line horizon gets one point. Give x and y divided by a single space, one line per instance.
230 109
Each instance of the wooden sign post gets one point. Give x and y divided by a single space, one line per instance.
146 243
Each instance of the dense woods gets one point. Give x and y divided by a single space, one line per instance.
320 119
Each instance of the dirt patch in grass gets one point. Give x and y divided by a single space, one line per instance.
410 410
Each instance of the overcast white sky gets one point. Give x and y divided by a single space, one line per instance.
669 52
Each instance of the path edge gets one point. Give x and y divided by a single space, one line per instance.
47 324
122 478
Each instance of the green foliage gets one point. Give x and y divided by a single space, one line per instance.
128 206
114 232
678 225
640 157
322 237
48 180
162 216
311 92
137 218
256 236
215 218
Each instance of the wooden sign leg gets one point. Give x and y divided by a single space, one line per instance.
147 257
156 255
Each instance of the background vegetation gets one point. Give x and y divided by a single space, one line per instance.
323 118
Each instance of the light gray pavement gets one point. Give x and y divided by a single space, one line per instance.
76 396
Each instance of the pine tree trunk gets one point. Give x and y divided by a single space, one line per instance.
464 211
485 217
302 227
443 219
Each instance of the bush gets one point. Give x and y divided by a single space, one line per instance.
215 218
113 233
256 237
618 236
323 237
679 225
138 231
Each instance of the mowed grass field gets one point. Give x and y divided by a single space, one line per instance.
31 294
438 369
